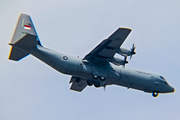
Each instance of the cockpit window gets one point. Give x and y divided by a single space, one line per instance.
162 77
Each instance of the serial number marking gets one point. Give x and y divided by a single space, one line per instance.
143 73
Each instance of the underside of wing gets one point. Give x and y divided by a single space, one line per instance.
78 84
106 49
16 54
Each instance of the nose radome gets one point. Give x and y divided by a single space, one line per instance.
171 89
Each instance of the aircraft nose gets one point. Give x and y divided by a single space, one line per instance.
171 89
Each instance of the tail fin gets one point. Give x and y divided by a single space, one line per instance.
24 39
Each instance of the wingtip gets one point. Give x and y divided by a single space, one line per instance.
125 28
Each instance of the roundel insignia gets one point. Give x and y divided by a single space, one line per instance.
65 57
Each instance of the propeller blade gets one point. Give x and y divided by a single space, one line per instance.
104 87
133 48
125 57
132 51
130 57
125 61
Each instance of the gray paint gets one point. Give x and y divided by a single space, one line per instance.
94 64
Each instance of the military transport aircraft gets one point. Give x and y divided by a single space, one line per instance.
100 67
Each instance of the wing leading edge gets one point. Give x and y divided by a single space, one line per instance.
106 49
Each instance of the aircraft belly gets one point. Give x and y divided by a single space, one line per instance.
134 85
113 75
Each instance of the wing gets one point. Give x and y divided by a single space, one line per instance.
78 84
106 48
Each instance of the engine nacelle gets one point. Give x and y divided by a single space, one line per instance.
123 52
117 61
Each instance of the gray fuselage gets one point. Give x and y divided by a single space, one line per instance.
117 75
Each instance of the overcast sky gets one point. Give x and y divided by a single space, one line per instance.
31 90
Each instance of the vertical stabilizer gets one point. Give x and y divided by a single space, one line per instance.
24 26
24 38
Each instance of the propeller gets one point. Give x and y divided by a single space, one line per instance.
132 51
104 87
125 61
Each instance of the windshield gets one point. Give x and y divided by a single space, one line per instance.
162 77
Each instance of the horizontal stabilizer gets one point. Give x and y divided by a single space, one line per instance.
16 54
78 84
22 47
